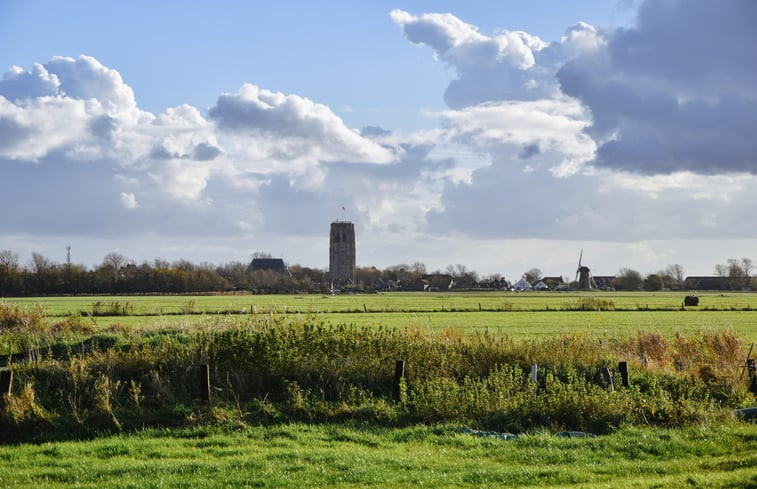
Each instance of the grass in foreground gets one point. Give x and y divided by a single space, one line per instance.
300 455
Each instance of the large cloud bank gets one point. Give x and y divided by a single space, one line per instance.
629 134
79 151
616 135
676 92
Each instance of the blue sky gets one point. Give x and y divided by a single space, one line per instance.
344 54
501 134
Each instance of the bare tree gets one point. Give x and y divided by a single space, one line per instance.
418 268
44 272
114 261
39 264
674 273
532 276
457 270
9 260
739 272
747 266
261 254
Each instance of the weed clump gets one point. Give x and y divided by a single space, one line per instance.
589 304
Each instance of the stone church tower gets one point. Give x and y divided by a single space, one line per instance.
342 253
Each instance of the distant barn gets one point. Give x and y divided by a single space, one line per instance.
707 283
270 264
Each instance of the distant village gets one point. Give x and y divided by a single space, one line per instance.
265 274
345 276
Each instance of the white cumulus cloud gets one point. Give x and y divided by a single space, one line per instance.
129 200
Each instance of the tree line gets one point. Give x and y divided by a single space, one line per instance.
117 274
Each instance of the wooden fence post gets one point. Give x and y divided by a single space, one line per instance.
607 376
399 374
623 367
534 372
6 381
204 383
752 367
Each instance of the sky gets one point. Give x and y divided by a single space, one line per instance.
502 135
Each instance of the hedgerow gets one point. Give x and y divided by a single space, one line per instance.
274 368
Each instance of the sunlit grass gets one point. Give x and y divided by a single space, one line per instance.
520 315
358 456
390 302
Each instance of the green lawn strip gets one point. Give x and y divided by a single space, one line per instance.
358 456
528 324
385 302
517 324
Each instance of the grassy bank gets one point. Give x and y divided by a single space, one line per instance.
74 381
297 455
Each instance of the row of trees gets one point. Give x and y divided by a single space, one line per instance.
117 274
628 279
671 278
734 274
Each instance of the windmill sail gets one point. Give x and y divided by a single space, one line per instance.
583 275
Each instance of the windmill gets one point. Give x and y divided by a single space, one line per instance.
583 275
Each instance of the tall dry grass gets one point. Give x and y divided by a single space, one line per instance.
272 367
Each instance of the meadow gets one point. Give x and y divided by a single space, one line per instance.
523 315
151 305
302 390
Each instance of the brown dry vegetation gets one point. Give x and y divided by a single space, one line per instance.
270 368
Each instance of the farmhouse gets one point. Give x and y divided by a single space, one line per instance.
707 283
522 285
271 264
604 281
553 282
436 281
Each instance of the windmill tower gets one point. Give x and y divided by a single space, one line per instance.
583 275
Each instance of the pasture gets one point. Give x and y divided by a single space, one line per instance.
301 390
520 315
150 305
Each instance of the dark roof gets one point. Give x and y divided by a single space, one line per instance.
558 280
603 280
707 283
273 264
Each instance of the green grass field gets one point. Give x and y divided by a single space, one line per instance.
352 456
226 449
390 302
520 315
